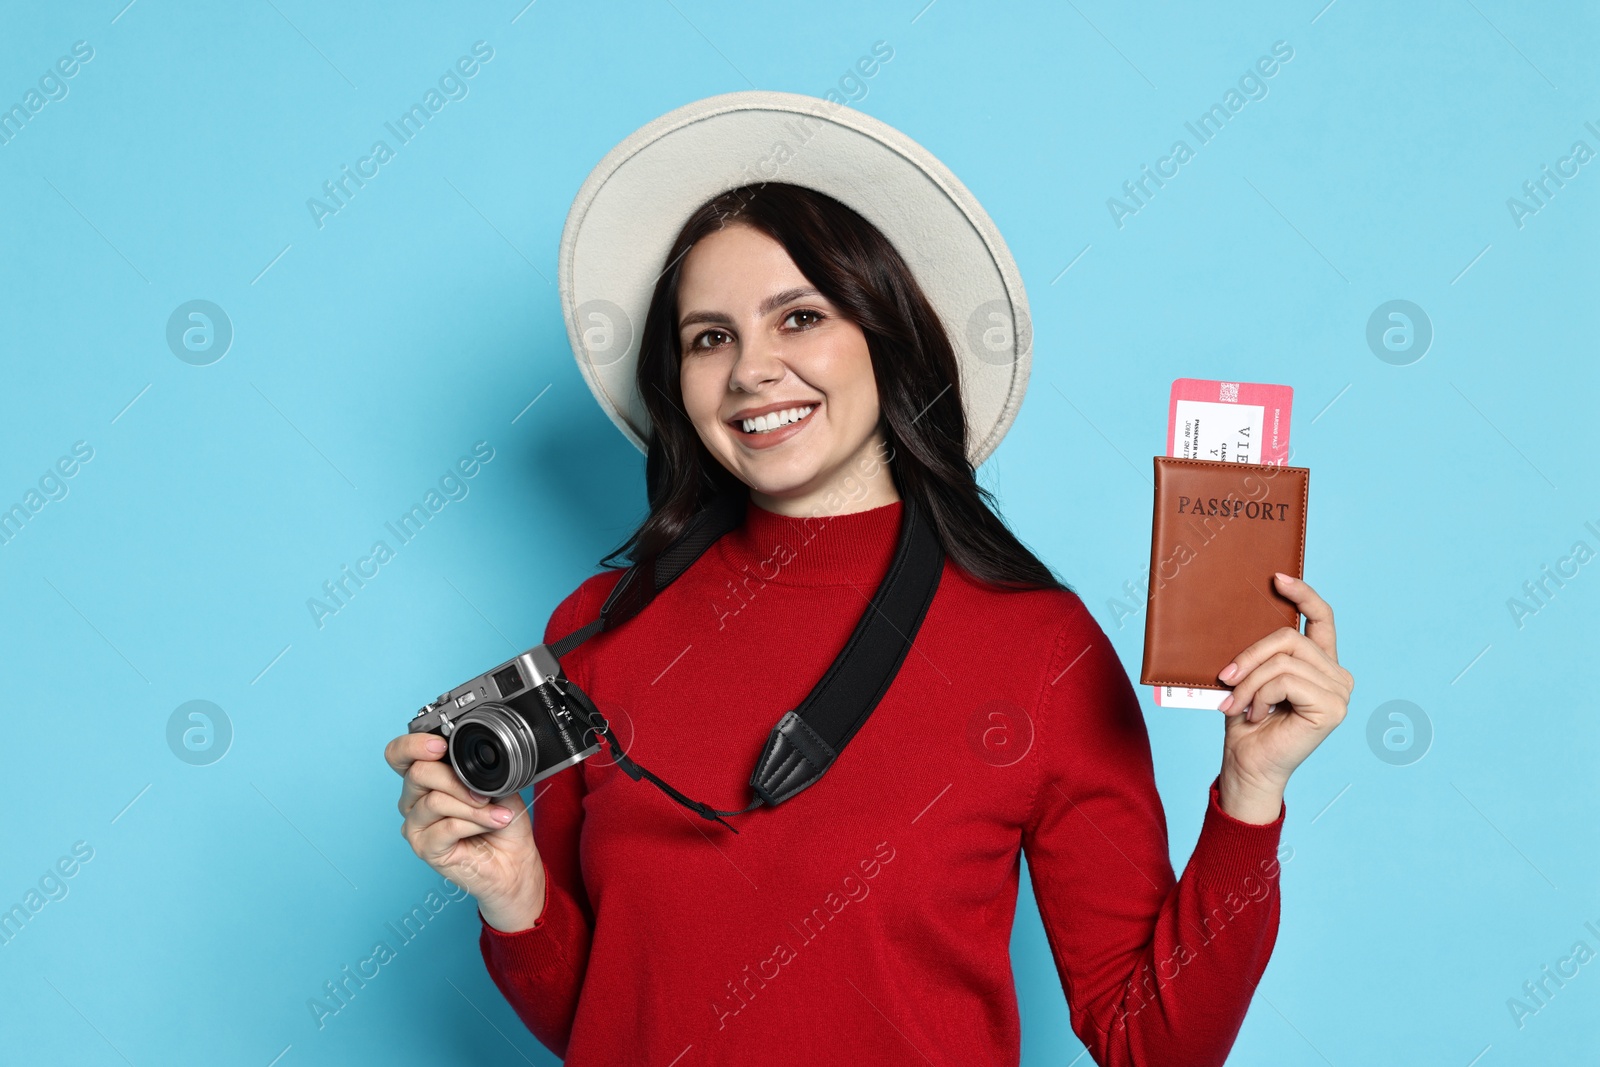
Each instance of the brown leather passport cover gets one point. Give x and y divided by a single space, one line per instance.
1218 532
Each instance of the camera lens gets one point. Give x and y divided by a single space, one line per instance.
477 758
493 751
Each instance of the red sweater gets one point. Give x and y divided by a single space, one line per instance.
868 918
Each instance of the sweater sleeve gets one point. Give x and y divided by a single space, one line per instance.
1156 971
540 970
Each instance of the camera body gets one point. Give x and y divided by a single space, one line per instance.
510 727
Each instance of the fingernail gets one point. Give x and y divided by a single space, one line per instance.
1228 672
1287 579
501 816
477 798
436 745
1227 702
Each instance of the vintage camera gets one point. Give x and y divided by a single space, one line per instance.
513 726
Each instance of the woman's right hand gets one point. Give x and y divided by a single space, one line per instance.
485 847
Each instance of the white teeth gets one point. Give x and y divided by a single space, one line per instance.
772 420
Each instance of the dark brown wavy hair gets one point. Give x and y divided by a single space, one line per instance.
921 416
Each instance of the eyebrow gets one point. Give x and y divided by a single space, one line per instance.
769 305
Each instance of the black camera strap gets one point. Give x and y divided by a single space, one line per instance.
807 740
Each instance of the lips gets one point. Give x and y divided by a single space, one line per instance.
765 439
768 409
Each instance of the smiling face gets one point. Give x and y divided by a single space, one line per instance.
760 343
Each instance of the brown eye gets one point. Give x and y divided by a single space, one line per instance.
816 316
709 333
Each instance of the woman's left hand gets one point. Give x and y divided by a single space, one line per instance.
1289 692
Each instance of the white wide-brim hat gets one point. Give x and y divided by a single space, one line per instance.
636 200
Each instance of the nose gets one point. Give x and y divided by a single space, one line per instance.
759 363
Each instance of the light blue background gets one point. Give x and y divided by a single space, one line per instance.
370 353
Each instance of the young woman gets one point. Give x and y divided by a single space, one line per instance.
868 919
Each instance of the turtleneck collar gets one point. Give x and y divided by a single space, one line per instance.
850 549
